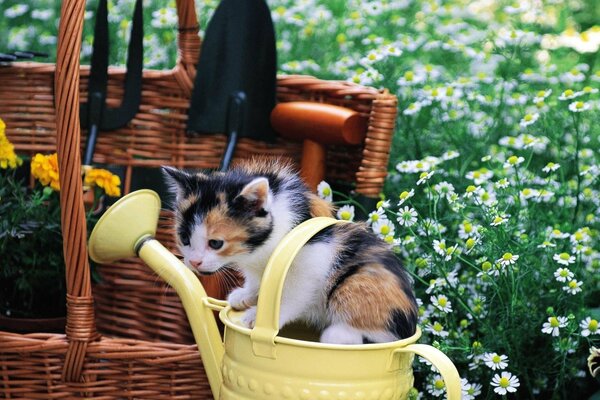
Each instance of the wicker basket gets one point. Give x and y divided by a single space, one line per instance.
130 338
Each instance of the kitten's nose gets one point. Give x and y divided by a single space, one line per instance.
196 263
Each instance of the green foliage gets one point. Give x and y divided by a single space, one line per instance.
32 277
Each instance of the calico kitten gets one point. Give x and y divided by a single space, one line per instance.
345 280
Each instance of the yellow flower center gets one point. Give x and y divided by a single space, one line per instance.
573 284
439 384
375 217
471 189
554 322
526 192
541 93
423 175
442 245
579 105
404 195
486 266
438 327
346 215
593 325
564 273
496 359
326 191
587 89
528 117
498 220
564 256
385 229
470 243
507 256
513 160
409 75
569 92
442 301
504 382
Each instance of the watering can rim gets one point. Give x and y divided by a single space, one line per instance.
225 318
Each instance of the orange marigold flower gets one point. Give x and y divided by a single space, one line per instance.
45 169
105 180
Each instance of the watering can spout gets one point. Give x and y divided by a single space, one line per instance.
127 229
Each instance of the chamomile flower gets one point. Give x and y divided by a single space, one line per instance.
569 94
505 383
442 303
579 106
324 191
470 390
589 327
439 246
424 177
550 167
470 190
507 259
502 184
564 258
495 361
405 195
436 387
513 161
529 119
346 213
436 329
445 189
552 327
573 287
557 234
412 108
383 228
480 176
563 274
545 244
541 95
375 216
407 216
499 220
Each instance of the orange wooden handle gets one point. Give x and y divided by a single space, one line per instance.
323 123
312 167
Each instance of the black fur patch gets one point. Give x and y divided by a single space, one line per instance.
401 324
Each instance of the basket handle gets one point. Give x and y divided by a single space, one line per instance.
271 287
80 329
188 45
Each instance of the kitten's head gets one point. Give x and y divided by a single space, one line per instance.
221 218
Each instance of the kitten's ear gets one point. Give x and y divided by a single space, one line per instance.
181 182
255 195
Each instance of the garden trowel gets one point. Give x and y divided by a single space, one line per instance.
234 91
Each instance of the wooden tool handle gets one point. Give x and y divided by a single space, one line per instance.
312 167
323 123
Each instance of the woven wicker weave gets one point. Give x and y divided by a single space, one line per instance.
144 348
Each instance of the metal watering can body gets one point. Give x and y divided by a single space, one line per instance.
261 363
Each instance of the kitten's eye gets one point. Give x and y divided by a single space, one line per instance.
215 244
185 242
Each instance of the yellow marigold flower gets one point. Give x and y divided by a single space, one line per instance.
105 180
8 158
45 169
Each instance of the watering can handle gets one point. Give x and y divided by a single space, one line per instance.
440 361
271 286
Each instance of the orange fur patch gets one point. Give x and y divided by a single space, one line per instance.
320 207
366 299
220 227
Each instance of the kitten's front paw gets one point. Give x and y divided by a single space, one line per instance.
249 317
241 299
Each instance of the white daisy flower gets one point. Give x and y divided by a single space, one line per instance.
412 108
324 191
541 95
346 213
442 303
552 327
444 188
470 390
436 329
439 246
551 167
507 259
563 274
407 216
424 177
573 287
589 327
589 90
529 119
564 258
569 94
436 387
579 106
557 234
495 361
376 215
499 220
513 161
383 228
545 244
505 382
480 176
405 195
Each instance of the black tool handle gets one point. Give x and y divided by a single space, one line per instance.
236 107
96 103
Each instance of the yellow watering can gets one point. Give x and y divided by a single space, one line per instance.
262 363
